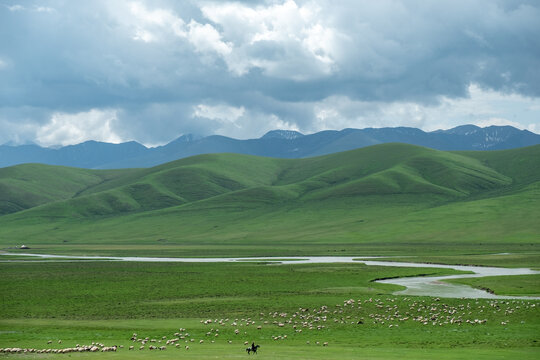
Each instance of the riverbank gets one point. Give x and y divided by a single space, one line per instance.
419 286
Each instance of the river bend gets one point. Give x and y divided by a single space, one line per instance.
420 286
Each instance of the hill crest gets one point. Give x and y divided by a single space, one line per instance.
383 169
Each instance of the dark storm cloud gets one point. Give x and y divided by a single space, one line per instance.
262 64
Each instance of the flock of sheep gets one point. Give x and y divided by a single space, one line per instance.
393 312
95 347
390 312
181 335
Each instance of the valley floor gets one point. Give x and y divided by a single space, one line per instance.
290 310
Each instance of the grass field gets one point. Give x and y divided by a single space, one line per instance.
523 285
107 302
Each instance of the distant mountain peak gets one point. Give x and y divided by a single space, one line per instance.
187 138
462 130
282 134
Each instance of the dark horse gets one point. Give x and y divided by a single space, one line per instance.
253 348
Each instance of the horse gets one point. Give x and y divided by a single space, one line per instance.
252 349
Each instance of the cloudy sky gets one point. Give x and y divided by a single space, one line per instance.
150 71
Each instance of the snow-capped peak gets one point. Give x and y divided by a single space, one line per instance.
282 134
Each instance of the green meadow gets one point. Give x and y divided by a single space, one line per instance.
399 201
287 309
521 285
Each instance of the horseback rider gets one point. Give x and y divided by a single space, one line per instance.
253 348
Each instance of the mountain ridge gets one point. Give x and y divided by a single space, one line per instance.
275 143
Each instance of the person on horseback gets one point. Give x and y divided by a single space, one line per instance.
253 348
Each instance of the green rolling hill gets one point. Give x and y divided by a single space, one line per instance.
26 186
379 199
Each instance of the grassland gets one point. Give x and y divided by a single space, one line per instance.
109 301
137 290
523 285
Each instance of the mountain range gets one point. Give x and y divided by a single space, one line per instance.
276 143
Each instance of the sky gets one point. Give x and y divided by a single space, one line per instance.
151 71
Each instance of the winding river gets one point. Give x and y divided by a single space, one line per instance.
421 285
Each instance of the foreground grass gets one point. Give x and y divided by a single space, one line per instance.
352 345
84 302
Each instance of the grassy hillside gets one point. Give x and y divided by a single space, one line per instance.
30 185
520 164
379 199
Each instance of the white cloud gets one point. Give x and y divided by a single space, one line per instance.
481 108
223 113
497 122
16 8
44 9
205 38
144 35
238 122
159 17
66 129
485 107
41 9
284 40
151 25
